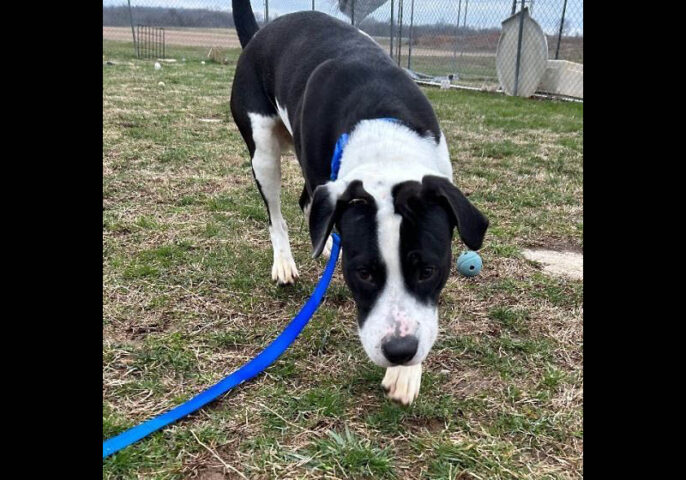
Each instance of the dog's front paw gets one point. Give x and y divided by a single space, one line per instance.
284 270
326 253
402 383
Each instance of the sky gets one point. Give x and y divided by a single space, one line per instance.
480 13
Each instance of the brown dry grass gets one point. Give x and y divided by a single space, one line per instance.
188 298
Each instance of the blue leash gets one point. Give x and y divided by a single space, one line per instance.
246 372
257 364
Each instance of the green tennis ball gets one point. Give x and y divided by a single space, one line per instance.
469 263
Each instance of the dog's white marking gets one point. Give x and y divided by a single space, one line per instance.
402 383
266 163
392 152
283 114
443 160
373 155
326 253
405 326
369 37
396 310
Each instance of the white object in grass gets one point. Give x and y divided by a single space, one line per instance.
533 58
157 66
570 264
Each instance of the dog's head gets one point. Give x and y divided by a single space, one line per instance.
396 242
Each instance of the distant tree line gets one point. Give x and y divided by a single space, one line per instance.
201 17
168 17
376 28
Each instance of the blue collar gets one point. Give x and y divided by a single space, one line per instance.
340 145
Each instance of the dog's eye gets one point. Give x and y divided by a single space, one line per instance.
426 273
364 274
357 201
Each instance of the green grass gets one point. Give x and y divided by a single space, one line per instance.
188 298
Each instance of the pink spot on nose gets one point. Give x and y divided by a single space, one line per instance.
402 322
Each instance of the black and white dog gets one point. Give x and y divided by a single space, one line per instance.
304 80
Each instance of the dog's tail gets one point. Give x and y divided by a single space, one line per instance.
244 20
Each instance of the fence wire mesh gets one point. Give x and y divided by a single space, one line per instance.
484 44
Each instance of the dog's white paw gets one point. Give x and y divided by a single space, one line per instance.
284 270
402 383
326 253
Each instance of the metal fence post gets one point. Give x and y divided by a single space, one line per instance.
464 27
352 13
133 33
519 48
392 8
266 11
313 5
409 47
457 34
401 9
559 35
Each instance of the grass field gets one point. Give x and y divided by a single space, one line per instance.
188 298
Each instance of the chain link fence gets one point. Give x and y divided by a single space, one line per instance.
523 47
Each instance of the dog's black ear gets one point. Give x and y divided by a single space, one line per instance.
470 222
328 203
407 200
322 216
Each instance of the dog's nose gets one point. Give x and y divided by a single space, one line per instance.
399 350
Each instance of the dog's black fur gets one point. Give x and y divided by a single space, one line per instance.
328 77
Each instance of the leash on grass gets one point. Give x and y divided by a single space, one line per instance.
260 362
246 372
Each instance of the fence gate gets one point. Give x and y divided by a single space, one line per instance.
150 42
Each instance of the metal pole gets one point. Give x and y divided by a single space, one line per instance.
409 48
266 11
514 7
457 34
352 13
391 28
464 27
164 45
559 35
401 9
313 5
466 5
133 33
519 48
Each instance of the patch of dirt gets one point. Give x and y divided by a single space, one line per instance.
570 264
557 244
211 475
432 425
207 37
